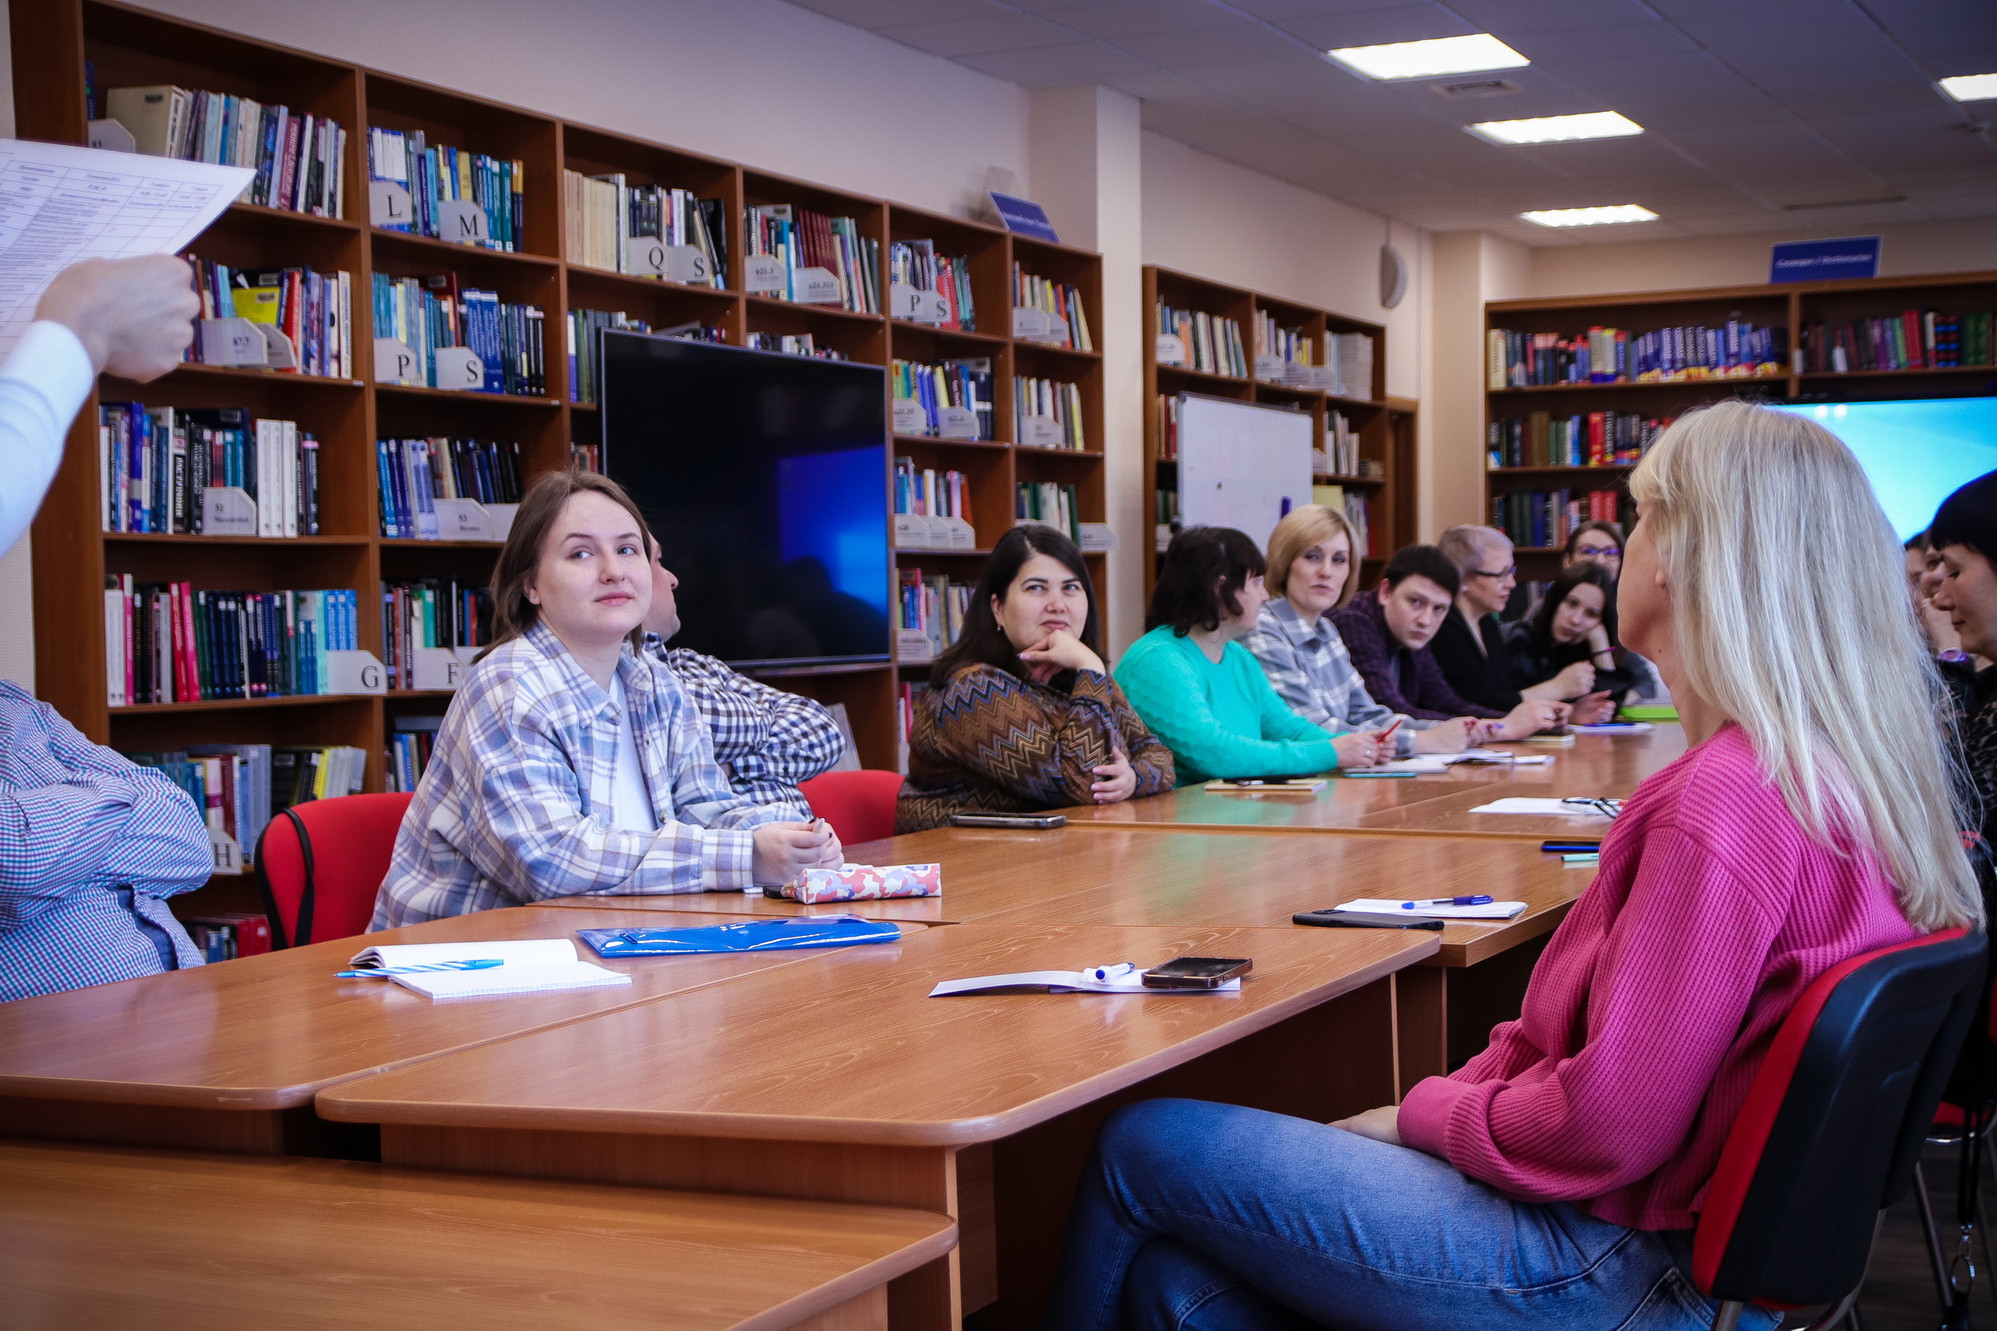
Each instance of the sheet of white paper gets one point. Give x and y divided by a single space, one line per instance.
60 205
1490 910
1442 762
1616 728
1123 978
1559 808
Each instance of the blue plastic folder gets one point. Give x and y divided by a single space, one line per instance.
755 936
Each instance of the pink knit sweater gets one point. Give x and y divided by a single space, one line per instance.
1657 998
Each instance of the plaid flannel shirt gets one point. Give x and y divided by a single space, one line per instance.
766 740
1309 667
91 845
516 803
1383 663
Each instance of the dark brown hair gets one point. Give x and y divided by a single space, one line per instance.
1574 575
512 613
983 640
1201 577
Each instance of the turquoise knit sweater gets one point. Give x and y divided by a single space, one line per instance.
1218 720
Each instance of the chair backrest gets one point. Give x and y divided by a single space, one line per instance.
1834 1122
859 805
319 865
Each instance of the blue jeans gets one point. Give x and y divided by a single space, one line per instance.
1210 1217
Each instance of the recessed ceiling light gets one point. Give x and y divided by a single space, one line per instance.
1421 60
1621 212
1971 87
1557 129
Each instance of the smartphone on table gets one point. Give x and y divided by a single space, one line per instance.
975 818
1197 972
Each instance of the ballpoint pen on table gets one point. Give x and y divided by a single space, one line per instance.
383 972
1447 901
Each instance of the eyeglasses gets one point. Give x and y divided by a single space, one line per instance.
1597 551
1607 808
1499 576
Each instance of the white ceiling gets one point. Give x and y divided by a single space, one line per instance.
1753 109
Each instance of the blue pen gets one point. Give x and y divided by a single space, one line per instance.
1447 901
384 972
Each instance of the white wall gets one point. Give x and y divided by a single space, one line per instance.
768 84
17 601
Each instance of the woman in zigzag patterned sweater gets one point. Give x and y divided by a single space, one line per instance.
1022 714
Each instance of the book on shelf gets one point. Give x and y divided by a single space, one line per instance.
426 613
158 462
1341 445
314 311
413 474
438 176
584 350
1210 343
168 642
793 344
1046 502
933 606
915 264
1063 321
410 744
1165 510
586 457
953 398
911 696
1358 511
1737 349
299 158
1540 519
1285 355
226 935
1047 412
644 230
1352 364
929 493
230 784
1910 340
815 258
428 314
1168 427
1586 439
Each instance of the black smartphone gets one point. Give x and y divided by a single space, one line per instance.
1354 919
1267 781
974 818
1197 972
1559 847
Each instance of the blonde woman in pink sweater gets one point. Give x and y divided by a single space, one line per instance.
1554 1180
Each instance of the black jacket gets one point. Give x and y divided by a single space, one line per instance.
1483 677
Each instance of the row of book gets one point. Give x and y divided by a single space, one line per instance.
299 158
1168 427
167 642
410 744
930 493
240 787
314 311
791 344
437 174
1737 349
917 264
1910 340
157 462
1358 511
1341 445
1209 343
427 613
1590 439
1544 519
965 385
1350 366
226 935
911 697
933 606
614 225
586 457
801 240
1277 347
1066 320
584 375
428 314
1165 510
1053 399
1058 506
413 474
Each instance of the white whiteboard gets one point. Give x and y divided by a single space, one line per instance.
1239 462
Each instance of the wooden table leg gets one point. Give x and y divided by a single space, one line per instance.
1485 994
926 1299
1421 1016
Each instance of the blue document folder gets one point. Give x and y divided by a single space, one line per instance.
753 936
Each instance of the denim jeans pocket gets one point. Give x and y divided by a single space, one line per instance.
1674 1304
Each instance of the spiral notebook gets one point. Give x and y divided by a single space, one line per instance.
526 966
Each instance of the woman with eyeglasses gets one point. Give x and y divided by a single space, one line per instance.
1598 542
1554 1180
1470 646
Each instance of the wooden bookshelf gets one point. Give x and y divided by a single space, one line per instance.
1790 306
1385 426
128 46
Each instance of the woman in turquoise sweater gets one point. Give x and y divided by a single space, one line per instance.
1193 682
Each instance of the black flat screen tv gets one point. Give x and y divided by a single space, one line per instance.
765 479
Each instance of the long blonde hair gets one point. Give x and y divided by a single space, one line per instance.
1825 674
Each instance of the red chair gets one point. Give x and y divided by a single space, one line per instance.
859 805
1833 1126
320 864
